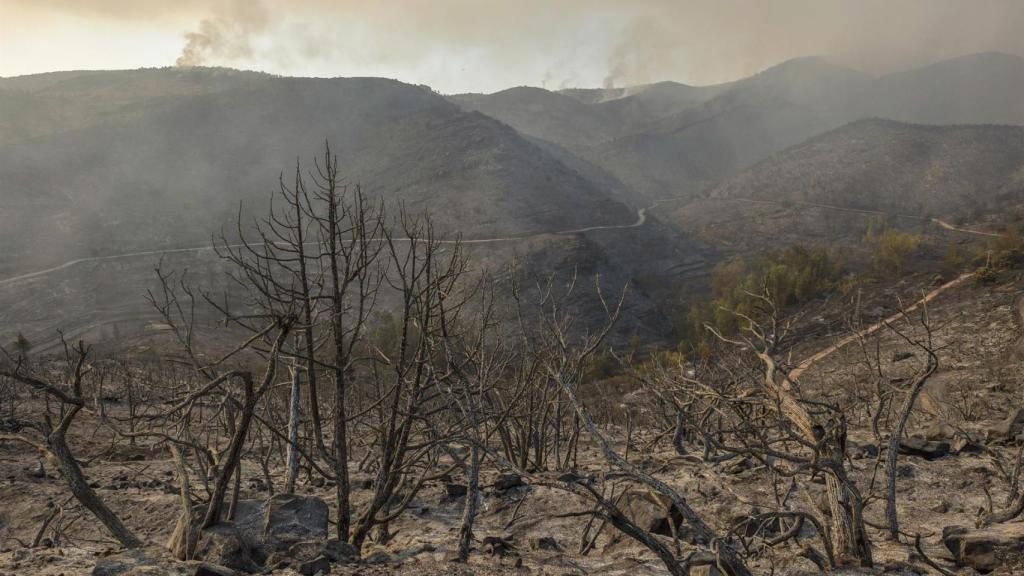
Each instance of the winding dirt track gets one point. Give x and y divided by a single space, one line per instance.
939 222
641 219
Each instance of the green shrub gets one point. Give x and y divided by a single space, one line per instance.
792 276
985 275
890 247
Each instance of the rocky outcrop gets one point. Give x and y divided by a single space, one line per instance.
290 518
285 531
222 544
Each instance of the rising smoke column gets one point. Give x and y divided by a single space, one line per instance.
227 35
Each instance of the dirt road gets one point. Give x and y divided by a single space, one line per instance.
641 219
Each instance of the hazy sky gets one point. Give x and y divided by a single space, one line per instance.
481 45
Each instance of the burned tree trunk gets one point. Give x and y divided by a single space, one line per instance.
472 501
294 398
848 536
56 441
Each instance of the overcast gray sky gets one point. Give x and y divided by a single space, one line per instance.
481 45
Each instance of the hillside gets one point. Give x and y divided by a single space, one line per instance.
169 160
44 104
894 167
168 170
580 118
543 114
692 149
672 140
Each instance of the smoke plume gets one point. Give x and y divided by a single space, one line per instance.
457 45
226 36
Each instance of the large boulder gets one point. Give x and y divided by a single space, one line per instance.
985 549
223 545
290 518
248 520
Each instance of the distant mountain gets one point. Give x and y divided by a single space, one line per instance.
637 108
894 167
101 163
674 140
580 118
166 168
690 150
594 95
983 88
543 114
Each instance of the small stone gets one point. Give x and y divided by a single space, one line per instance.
497 546
651 512
927 449
544 543
506 482
455 490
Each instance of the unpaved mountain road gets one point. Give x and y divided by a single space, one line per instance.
641 219
937 221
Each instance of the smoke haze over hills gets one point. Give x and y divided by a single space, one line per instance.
458 46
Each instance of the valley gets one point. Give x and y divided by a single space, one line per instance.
302 325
